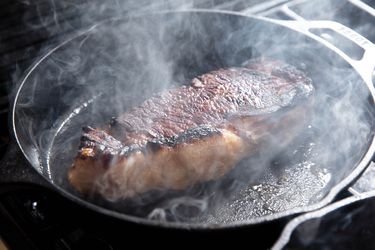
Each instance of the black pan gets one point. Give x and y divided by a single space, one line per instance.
116 64
345 224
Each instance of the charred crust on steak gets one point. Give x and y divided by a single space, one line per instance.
172 139
164 121
96 143
197 133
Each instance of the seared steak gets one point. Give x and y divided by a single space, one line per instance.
193 133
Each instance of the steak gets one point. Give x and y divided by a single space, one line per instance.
194 133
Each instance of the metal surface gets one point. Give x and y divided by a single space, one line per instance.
361 190
319 192
364 66
293 224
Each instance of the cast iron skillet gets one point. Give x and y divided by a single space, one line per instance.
75 84
338 225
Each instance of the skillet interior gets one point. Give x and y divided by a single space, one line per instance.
120 63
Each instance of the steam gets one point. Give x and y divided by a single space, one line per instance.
124 61
183 209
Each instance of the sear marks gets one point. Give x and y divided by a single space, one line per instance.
210 99
194 133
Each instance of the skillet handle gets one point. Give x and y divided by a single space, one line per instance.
364 66
365 183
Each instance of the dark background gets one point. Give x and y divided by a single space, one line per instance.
29 28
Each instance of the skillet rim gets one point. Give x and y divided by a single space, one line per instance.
361 166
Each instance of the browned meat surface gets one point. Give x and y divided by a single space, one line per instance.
193 133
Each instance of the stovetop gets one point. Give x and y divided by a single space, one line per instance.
39 219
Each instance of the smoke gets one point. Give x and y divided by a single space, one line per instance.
339 231
119 63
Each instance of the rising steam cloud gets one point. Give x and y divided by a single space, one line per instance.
120 63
